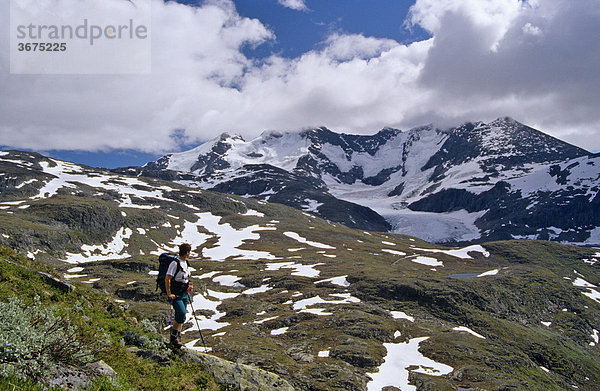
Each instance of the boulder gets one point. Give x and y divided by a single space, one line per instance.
245 377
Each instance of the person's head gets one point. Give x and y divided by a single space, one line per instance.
184 250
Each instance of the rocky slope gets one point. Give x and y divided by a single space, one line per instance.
468 184
324 306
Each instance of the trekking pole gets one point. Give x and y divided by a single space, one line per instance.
197 325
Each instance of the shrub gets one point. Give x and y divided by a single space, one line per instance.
132 337
35 339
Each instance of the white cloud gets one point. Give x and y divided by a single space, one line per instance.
481 63
531 29
298 5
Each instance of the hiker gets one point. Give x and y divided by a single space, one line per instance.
178 288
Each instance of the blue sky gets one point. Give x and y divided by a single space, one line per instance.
354 66
301 31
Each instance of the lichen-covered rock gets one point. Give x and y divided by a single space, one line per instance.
100 368
246 377
73 378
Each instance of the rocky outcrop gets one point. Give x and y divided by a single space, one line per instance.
72 378
245 377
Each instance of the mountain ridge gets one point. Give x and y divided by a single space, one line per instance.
399 178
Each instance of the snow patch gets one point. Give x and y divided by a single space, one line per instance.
316 311
252 212
299 269
385 250
594 238
593 294
228 280
206 275
427 261
311 205
112 250
489 273
301 305
402 315
69 276
280 331
462 253
192 346
260 289
25 183
340 281
401 356
583 283
468 330
265 320
199 301
595 336
300 239
229 239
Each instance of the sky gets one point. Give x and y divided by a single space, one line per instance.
354 66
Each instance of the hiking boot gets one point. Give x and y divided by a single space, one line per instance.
179 339
175 340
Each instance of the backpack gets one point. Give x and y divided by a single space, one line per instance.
164 260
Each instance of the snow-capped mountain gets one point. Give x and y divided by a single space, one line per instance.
471 183
323 306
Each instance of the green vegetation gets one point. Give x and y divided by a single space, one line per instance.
43 328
